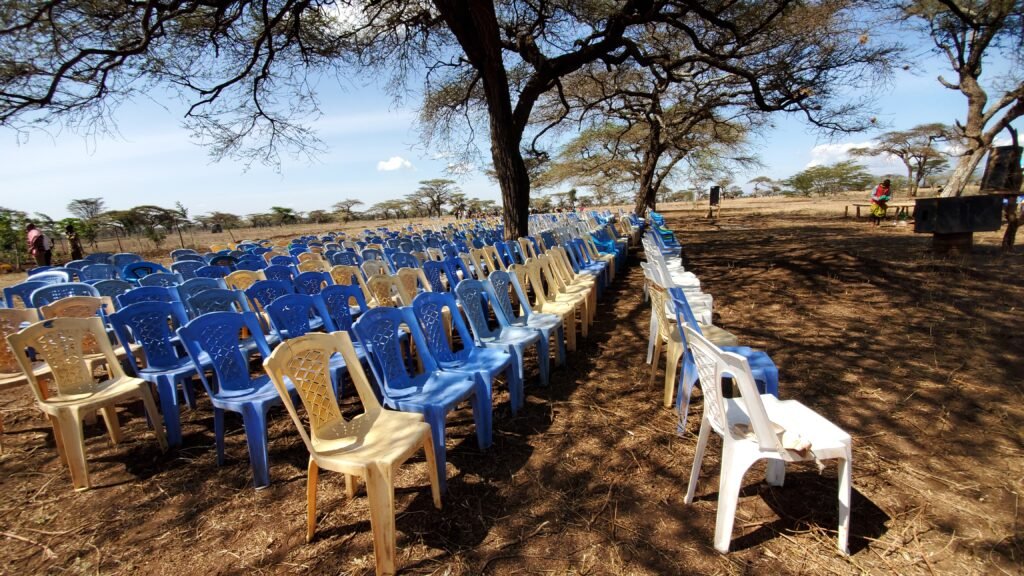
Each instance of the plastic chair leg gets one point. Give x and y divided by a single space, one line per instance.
655 360
698 457
544 359
188 392
482 418
560 334
380 492
436 419
435 485
71 429
312 475
218 434
775 472
168 394
845 475
254 418
672 355
730 481
113 427
653 337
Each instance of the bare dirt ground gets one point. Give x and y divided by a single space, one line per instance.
919 358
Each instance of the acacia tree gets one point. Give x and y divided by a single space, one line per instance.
913 147
966 32
435 193
345 208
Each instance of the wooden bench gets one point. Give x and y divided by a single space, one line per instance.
904 208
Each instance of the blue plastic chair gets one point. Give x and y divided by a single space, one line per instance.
217 299
292 316
177 254
224 260
514 340
97 272
403 260
165 279
54 275
486 363
149 324
346 258
216 336
311 282
432 392
53 292
434 270
264 292
122 259
499 286
283 261
338 301
212 271
282 273
188 288
187 268
111 288
192 257
135 271
38 270
78 264
765 373
22 291
250 263
372 254
147 294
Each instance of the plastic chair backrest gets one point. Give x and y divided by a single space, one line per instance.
374 267
338 301
305 363
473 296
179 252
97 272
410 282
165 279
23 292
242 279
279 272
264 292
432 271
52 276
77 307
379 329
218 300
146 294
187 268
280 260
190 257
499 287
112 288
404 260
139 269
77 264
212 272
53 292
150 325
290 314
61 342
219 335
224 260
372 254
194 286
712 365
11 320
428 308
250 263
311 282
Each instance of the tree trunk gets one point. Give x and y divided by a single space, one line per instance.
962 173
647 196
475 26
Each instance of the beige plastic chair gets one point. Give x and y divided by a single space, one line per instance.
493 259
371 446
410 282
343 275
60 341
384 290
571 282
558 291
591 248
313 265
88 307
755 427
528 276
219 247
307 256
374 267
243 279
268 256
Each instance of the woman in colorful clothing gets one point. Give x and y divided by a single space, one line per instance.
878 200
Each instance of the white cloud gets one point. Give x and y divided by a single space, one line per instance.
393 163
824 154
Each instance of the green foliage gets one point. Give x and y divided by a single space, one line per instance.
831 179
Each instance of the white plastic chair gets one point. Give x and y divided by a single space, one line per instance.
759 426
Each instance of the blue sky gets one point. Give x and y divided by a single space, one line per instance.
373 155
